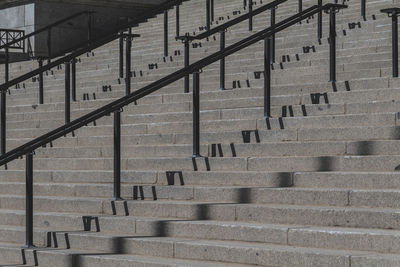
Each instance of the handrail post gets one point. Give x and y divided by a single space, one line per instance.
208 16
49 52
117 155
393 13
332 44
73 79
222 62
29 200
273 35
67 92
128 63
3 108
7 64
186 64
363 10
121 55
165 33
3 121
319 28
251 15
267 77
300 6
41 93
395 45
177 20
212 10
196 114
90 18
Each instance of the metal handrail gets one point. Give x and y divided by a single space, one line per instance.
124 101
117 106
71 58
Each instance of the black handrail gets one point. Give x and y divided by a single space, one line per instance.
75 52
393 13
126 100
117 106
221 29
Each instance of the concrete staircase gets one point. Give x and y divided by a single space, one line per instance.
316 185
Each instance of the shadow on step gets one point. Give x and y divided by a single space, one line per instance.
325 164
364 148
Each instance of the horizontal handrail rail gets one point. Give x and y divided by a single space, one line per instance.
234 21
46 28
11 30
128 99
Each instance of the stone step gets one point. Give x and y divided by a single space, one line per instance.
377 241
263 179
272 164
303 148
363 217
48 257
239 252
360 180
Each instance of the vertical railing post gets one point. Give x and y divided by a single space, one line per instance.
393 13
7 65
186 63
29 200
128 59
49 52
196 114
319 27
251 15
332 44
90 27
117 155
363 10
67 92
395 45
177 20
267 77
208 15
300 6
73 79
273 35
212 10
165 33
3 108
3 95
222 62
121 54
41 89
